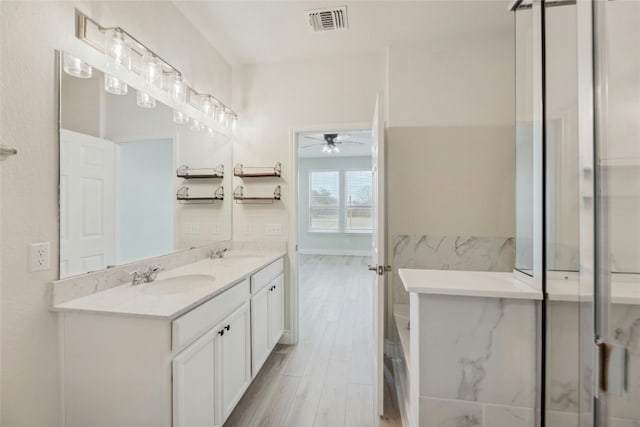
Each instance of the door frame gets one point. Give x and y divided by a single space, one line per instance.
292 335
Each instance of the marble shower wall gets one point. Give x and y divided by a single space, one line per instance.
563 371
465 253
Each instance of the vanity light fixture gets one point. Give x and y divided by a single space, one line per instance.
76 67
125 55
118 61
144 100
114 85
196 125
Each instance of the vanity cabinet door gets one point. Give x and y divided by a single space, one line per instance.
260 338
276 311
194 384
235 358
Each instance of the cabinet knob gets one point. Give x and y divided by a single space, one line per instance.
221 332
227 327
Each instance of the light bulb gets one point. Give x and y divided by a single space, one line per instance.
326 149
118 51
144 100
152 70
178 89
180 117
76 67
196 125
336 149
114 85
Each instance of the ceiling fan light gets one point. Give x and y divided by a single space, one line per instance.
336 149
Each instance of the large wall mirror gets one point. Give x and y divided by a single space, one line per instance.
123 192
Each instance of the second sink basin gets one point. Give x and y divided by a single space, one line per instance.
176 285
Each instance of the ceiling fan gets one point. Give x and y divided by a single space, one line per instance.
331 142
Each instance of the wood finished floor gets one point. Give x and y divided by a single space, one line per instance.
327 379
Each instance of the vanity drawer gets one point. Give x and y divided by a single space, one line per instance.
202 318
265 276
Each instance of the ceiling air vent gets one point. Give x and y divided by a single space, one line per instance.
321 20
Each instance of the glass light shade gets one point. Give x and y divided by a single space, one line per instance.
336 149
114 85
144 100
206 106
178 89
180 117
76 67
196 125
118 51
152 70
221 115
234 124
210 131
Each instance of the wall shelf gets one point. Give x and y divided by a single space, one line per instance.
183 196
186 172
258 171
240 197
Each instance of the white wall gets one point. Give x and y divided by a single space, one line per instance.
274 98
29 34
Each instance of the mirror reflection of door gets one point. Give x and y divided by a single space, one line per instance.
87 200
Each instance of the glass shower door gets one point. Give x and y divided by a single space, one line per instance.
616 299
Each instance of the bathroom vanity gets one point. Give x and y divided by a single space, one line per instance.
179 351
467 349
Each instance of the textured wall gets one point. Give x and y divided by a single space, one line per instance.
30 33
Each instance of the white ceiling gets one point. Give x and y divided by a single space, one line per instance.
310 144
274 31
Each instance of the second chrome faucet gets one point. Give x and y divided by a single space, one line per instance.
138 277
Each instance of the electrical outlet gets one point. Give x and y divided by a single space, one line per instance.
217 228
39 256
273 229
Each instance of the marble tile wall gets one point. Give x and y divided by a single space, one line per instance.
478 363
449 253
563 370
86 284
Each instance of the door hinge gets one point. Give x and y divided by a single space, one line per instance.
611 368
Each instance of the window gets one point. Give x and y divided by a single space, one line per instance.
358 201
340 201
324 201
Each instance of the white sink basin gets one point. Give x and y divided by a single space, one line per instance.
176 285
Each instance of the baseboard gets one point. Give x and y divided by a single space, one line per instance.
333 252
286 338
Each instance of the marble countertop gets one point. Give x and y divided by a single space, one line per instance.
141 301
565 286
467 283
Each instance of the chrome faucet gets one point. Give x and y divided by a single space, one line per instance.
152 273
138 277
217 253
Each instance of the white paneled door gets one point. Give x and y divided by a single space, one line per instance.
87 199
378 265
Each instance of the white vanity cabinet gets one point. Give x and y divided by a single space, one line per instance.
195 385
210 375
147 369
267 312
